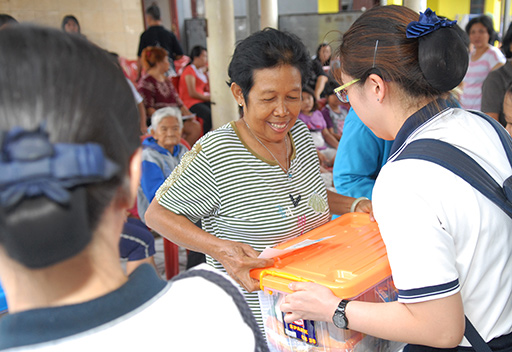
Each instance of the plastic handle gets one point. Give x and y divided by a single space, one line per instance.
287 276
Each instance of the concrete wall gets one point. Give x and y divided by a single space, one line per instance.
114 25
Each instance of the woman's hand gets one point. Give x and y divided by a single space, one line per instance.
239 259
365 206
185 111
309 301
324 162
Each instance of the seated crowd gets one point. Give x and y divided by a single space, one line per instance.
166 172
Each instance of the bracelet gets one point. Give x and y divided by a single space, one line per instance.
356 202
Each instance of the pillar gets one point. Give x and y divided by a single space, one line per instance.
269 17
253 15
416 5
221 43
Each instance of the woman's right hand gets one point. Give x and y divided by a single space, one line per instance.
239 259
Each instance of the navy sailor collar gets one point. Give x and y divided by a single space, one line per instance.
417 119
48 324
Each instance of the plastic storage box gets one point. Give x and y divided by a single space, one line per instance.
351 260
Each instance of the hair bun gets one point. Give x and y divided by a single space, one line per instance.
443 58
39 232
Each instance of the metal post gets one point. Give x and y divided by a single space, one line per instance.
269 17
253 15
416 5
221 43
505 17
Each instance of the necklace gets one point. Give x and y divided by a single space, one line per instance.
287 171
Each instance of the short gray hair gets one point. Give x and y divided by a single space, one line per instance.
162 113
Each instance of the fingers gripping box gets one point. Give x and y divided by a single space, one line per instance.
346 255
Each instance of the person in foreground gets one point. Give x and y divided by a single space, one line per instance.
66 184
448 245
253 182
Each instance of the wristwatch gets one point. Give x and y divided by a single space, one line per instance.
339 318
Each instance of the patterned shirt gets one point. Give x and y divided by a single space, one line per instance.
244 197
158 94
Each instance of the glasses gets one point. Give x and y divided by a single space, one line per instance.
341 92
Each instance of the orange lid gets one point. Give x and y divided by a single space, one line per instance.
349 263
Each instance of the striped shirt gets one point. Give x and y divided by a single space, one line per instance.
244 197
475 76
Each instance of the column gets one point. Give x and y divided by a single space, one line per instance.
253 15
269 16
221 43
416 5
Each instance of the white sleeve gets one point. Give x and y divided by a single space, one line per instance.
136 95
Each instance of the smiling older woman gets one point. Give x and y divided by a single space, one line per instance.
254 182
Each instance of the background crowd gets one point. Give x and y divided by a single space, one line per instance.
299 153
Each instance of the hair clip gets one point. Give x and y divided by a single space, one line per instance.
32 166
428 23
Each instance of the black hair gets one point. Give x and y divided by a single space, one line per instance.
68 18
74 88
330 86
320 46
487 22
196 52
267 48
463 36
154 12
427 66
310 91
506 42
6 19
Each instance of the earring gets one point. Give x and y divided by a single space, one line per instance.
240 105
378 99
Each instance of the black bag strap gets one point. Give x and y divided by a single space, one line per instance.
474 338
461 164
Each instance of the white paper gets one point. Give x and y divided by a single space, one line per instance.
271 252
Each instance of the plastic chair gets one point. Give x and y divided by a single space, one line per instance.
171 250
130 68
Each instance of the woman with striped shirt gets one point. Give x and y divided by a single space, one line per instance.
484 58
256 181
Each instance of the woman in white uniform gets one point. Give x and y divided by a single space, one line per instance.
449 246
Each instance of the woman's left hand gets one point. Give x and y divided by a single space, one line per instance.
365 206
185 111
239 259
309 301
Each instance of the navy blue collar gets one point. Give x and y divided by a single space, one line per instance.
417 119
47 324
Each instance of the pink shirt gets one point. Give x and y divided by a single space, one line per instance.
475 76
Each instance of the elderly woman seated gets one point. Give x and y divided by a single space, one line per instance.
162 152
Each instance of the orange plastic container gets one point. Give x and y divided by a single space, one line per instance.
351 260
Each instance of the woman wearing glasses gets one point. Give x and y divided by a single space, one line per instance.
255 181
448 245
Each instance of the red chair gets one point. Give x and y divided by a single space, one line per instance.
171 250
130 68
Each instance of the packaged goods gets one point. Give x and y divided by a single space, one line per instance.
346 255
